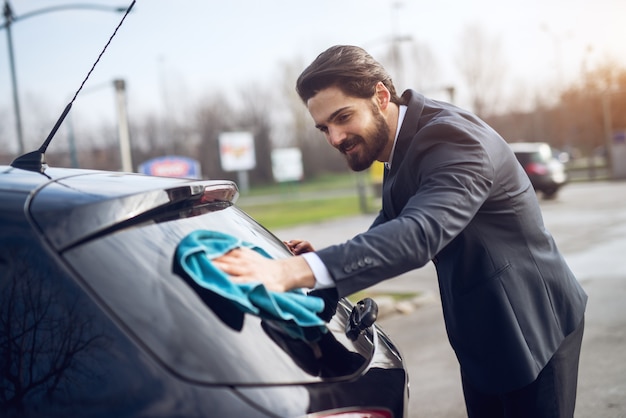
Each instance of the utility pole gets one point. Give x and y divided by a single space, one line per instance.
9 19
122 123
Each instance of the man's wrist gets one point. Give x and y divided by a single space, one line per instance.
296 273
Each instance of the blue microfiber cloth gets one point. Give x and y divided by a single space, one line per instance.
296 310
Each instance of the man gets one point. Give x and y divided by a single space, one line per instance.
453 193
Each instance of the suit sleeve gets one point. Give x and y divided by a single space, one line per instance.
441 182
380 219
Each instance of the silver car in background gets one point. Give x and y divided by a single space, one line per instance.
546 172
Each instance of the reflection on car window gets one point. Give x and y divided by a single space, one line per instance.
325 357
55 345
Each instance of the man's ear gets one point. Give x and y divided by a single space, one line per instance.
382 95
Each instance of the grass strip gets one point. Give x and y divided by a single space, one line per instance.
296 212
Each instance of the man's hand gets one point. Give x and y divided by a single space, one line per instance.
299 246
245 265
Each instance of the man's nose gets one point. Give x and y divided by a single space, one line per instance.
335 136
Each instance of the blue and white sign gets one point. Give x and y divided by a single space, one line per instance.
172 166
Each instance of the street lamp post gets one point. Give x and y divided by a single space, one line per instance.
122 125
559 85
615 145
9 19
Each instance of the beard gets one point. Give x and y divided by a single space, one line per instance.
372 145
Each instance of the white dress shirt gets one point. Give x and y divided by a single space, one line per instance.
322 276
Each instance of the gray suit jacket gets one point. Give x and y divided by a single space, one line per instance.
456 195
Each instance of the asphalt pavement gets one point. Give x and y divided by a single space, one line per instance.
588 221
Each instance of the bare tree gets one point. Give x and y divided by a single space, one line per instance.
413 65
299 130
214 115
46 342
599 98
255 117
482 66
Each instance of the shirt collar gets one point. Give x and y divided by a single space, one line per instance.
401 114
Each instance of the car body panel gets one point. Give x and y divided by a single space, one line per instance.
88 264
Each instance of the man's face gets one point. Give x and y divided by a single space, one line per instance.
354 126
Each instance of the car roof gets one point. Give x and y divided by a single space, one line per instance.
69 205
528 146
27 181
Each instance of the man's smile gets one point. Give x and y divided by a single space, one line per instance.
349 145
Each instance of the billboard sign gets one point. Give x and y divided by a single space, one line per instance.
237 151
287 164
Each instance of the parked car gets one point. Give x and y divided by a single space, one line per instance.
97 320
546 172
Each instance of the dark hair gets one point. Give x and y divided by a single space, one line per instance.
347 67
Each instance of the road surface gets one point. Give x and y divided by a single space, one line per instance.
588 221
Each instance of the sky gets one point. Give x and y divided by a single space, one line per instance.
172 52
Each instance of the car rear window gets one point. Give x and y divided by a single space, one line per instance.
189 330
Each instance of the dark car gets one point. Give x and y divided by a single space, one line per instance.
546 172
98 320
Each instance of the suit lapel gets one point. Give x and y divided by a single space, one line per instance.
408 129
